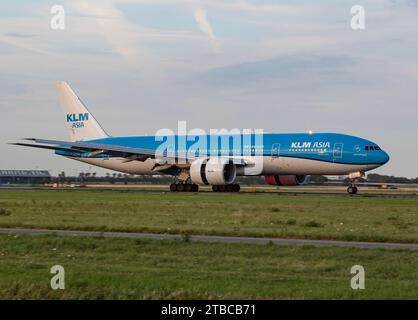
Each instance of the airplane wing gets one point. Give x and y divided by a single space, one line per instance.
92 149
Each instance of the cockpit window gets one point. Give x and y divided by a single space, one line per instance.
371 148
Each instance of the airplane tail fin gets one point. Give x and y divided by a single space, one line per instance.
81 123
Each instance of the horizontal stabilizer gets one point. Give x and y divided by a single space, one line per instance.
47 147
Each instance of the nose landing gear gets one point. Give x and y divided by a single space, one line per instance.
352 189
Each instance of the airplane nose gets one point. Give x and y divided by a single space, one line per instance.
385 157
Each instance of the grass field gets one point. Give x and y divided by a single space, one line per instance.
342 218
103 268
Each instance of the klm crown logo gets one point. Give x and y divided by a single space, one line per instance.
72 117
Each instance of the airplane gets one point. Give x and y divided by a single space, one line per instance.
284 159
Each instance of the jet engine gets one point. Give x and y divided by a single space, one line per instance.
215 171
285 180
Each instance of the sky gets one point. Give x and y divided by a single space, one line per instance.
143 65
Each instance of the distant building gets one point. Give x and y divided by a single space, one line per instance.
24 176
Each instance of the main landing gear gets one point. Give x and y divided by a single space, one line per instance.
226 188
184 187
191 187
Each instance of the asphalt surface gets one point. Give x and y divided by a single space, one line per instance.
361 194
222 239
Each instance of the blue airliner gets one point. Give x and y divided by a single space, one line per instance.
216 159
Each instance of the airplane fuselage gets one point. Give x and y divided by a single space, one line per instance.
279 154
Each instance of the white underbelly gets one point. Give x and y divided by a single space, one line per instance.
270 166
287 165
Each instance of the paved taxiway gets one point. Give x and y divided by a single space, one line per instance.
224 239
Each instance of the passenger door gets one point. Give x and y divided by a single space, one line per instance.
338 150
275 150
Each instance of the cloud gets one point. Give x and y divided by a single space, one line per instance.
114 27
202 21
311 71
18 43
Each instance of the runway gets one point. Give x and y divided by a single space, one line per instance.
222 239
245 191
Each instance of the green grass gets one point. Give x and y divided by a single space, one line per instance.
103 268
342 218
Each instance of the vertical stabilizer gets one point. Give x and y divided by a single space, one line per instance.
81 123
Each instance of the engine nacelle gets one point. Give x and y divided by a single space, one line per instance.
215 171
198 171
285 180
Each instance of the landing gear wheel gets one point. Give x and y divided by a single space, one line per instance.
173 187
222 188
229 188
188 187
226 188
352 189
180 187
195 187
